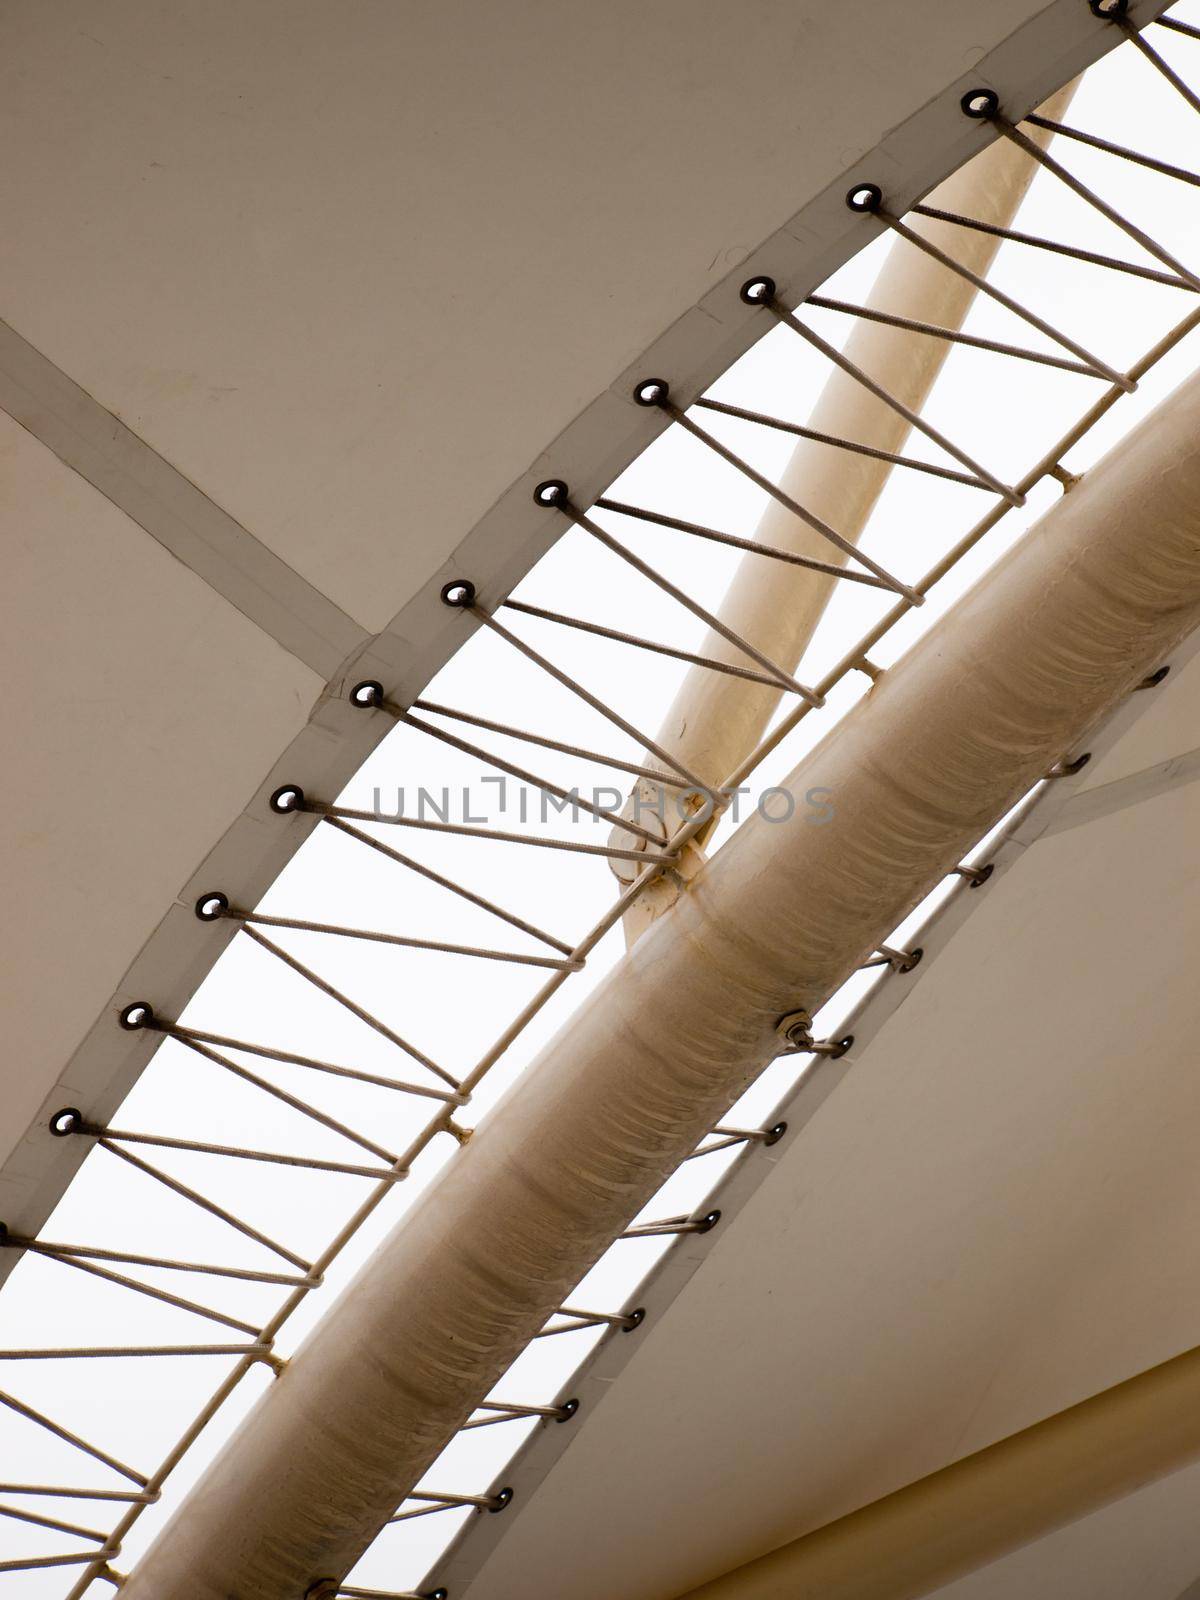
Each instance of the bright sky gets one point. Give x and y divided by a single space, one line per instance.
452 1007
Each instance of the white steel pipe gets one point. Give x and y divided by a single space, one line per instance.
989 1504
715 721
1087 604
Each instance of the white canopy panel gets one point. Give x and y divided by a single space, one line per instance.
352 272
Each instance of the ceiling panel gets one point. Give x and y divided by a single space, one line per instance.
1147 1545
353 270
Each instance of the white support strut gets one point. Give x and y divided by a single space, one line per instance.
714 722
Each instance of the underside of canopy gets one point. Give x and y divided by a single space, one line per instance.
296 316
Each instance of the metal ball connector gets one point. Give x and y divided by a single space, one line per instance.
459 593
759 291
551 493
652 392
1108 10
980 875
288 797
136 1016
367 695
796 1029
865 197
501 1499
1155 678
774 1134
567 1410
634 1319
211 907
980 104
65 1122
709 1222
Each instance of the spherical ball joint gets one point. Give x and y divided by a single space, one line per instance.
1108 10
66 1122
759 291
501 1500
567 1410
774 1134
634 1319
865 197
137 1016
980 104
459 594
